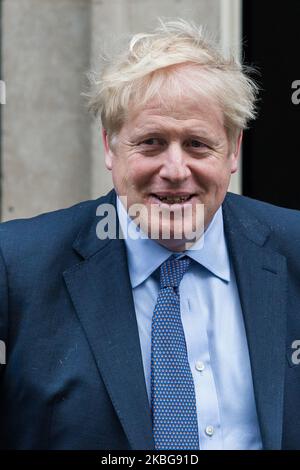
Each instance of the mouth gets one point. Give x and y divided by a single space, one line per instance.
171 198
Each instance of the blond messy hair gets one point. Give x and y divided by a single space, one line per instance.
152 66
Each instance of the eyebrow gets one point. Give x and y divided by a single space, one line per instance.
159 130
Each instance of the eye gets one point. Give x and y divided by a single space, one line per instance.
152 141
196 143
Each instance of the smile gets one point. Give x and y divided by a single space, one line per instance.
173 198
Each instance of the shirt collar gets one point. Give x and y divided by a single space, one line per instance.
146 255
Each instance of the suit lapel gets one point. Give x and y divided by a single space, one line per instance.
101 293
261 280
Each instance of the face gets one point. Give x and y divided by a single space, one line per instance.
175 158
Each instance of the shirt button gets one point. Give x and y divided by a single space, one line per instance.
200 366
209 430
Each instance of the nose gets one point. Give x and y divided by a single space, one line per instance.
174 167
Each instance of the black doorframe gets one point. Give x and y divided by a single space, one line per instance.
271 151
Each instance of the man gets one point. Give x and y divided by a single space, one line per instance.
178 330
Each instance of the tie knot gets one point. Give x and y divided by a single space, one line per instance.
172 271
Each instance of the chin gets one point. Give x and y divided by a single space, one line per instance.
176 245
173 237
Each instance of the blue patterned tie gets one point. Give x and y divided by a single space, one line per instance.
173 401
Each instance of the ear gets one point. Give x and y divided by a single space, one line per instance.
234 156
108 155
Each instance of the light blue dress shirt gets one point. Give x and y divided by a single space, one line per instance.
214 330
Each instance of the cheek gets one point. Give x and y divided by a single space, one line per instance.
141 171
211 172
119 175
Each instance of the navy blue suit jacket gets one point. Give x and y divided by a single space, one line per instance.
74 375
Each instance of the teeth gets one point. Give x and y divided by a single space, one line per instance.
173 199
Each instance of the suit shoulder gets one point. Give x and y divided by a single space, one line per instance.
272 215
46 231
44 220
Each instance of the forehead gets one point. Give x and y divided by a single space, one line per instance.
180 114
